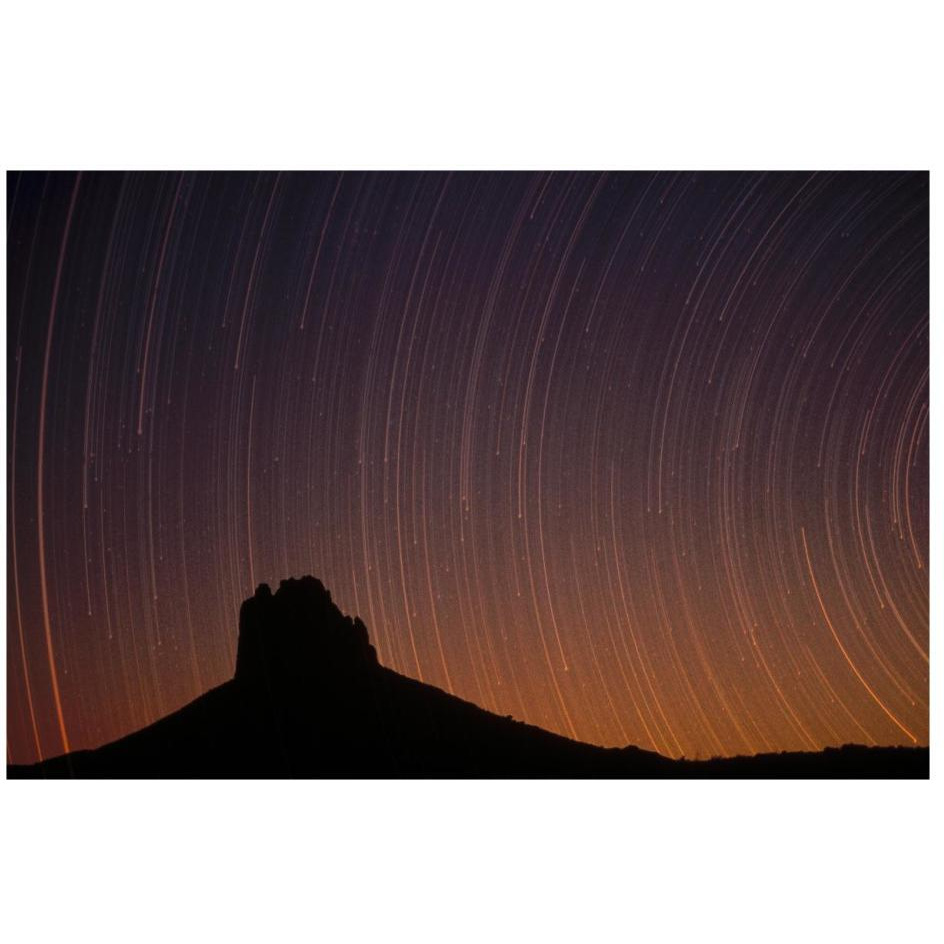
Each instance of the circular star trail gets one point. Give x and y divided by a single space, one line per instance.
638 457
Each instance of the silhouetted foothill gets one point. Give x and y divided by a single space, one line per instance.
299 632
311 700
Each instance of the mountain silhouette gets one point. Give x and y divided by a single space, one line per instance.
310 699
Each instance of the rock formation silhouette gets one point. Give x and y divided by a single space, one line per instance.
310 699
299 632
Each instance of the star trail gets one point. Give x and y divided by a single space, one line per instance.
641 458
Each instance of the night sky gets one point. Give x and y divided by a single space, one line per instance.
641 458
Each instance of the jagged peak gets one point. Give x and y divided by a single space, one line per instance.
299 631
